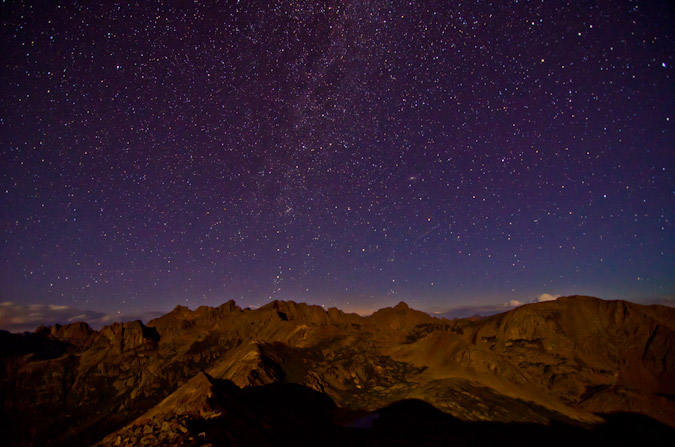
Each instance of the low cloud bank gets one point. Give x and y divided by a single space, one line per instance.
547 297
491 309
473 311
19 317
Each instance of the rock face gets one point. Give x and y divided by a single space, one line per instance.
569 360
124 337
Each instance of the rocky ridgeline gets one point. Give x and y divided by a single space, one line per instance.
135 384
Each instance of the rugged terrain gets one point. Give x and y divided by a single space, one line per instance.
288 372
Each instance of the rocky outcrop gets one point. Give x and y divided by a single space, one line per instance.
129 336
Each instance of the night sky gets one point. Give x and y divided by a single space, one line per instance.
351 154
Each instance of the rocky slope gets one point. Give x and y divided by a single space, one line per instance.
229 375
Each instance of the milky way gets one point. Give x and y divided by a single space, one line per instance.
350 154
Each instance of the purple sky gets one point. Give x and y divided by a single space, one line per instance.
351 154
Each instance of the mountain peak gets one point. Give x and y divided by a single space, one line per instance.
230 305
402 306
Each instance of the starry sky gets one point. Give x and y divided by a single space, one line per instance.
344 153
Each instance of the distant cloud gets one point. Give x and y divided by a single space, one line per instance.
57 307
663 300
482 310
19 317
490 309
470 311
547 297
111 318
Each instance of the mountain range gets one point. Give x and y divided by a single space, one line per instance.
294 374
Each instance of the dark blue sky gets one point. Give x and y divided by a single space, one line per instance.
351 154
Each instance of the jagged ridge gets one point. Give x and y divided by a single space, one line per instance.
562 360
